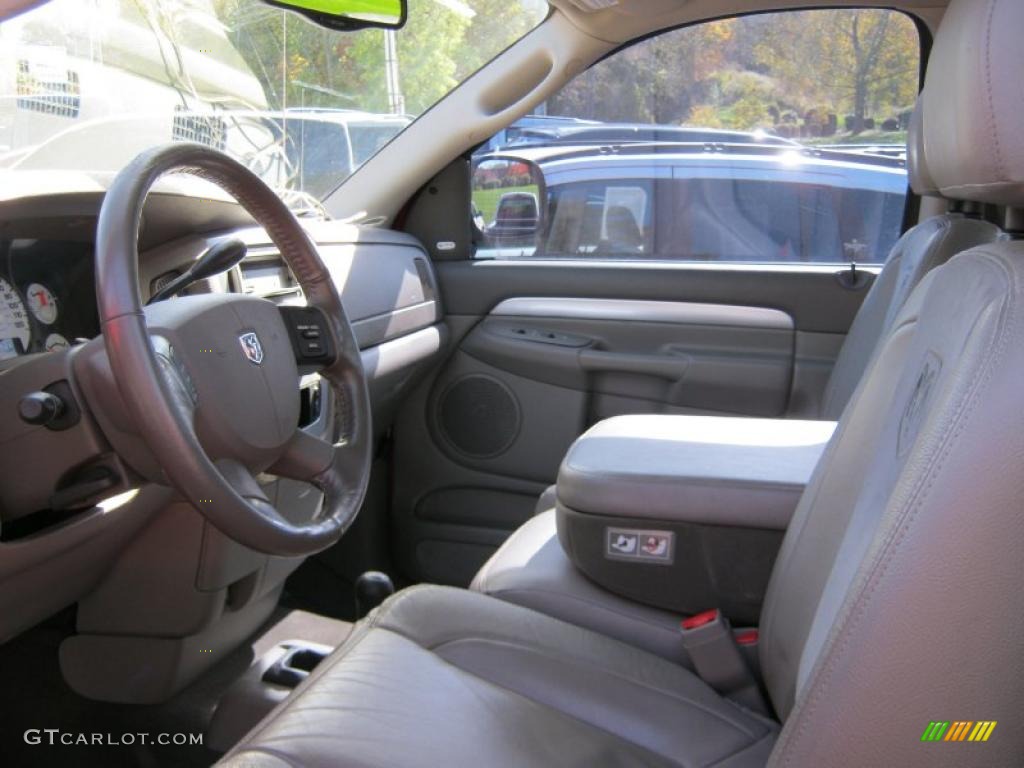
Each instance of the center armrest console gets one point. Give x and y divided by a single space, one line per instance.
685 513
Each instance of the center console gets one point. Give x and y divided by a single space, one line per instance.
685 513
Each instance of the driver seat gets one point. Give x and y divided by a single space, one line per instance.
895 600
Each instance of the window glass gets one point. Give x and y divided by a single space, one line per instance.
769 138
88 84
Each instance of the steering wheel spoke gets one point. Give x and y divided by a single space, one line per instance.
334 468
244 483
179 382
306 457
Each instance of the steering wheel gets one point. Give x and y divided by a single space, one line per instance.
211 381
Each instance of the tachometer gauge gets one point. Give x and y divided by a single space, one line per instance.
14 330
56 343
42 303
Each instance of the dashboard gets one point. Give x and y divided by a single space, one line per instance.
47 295
48 302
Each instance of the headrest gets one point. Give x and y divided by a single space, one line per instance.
921 180
974 101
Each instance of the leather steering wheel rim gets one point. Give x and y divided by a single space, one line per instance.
225 490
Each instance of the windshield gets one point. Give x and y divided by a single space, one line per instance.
88 84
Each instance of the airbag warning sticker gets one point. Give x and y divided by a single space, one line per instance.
655 547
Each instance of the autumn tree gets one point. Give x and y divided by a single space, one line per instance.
861 61
749 72
656 81
301 64
495 25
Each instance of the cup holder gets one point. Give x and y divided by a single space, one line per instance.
294 666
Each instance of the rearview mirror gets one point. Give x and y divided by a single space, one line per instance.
508 205
349 15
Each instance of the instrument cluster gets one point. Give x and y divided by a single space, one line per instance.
47 296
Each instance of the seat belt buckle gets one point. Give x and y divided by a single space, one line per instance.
701 620
718 660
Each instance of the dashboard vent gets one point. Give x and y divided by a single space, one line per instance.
48 90
202 129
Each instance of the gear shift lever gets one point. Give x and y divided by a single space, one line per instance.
372 589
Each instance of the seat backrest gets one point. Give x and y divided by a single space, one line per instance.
896 598
921 248
623 231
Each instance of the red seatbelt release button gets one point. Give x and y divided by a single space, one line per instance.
700 620
747 637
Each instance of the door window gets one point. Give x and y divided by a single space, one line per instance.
773 138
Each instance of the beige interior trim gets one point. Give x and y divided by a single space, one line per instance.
640 311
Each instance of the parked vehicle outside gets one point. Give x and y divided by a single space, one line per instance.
542 130
526 127
586 133
299 153
711 202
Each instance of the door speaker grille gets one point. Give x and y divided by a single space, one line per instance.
478 416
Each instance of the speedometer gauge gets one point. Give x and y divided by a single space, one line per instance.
42 303
14 331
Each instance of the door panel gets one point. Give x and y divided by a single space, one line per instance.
545 349
695 356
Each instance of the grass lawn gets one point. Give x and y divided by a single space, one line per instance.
487 199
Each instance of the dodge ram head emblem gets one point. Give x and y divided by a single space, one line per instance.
251 347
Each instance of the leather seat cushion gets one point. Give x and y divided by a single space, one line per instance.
531 569
442 676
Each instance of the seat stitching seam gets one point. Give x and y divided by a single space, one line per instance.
270 753
767 737
588 602
570 660
993 130
566 715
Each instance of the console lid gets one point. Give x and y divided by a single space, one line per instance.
700 469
